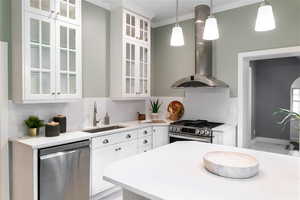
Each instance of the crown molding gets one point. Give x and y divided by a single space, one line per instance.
106 6
217 9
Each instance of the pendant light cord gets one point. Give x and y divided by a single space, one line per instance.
211 7
176 11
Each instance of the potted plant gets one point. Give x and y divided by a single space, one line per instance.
289 116
155 106
33 124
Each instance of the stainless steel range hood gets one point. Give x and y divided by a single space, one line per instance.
203 76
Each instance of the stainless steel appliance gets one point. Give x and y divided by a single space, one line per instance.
203 76
64 172
195 130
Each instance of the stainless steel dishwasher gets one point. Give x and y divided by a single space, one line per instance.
64 172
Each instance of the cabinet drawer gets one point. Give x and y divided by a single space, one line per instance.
145 141
144 149
145 132
119 137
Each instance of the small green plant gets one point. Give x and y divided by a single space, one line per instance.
155 105
34 122
287 116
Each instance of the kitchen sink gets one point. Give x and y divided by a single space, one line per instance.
98 130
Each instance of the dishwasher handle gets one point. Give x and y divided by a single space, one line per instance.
57 154
63 149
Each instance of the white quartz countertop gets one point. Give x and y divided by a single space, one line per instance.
176 172
43 142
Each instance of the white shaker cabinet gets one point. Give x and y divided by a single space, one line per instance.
103 155
46 51
130 54
160 136
63 10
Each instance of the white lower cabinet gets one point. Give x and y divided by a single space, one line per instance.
110 148
103 156
160 136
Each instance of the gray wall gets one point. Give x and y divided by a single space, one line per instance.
236 35
95 50
272 91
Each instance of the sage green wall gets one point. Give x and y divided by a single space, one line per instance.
237 35
5 28
171 63
95 50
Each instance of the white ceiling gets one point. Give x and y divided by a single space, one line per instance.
163 11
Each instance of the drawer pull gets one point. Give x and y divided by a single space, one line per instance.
128 136
105 141
118 149
145 142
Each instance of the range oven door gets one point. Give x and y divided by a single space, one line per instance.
176 138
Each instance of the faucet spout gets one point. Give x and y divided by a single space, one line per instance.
95 121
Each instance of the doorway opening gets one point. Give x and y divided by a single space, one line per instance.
246 89
272 81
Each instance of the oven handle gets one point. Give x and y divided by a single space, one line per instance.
188 138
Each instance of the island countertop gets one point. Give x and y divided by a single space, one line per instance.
176 172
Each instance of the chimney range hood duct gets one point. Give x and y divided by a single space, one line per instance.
203 76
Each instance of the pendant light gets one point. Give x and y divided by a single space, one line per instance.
211 30
265 20
177 38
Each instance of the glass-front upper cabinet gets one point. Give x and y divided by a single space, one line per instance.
144 71
136 27
43 7
69 11
131 60
40 57
68 60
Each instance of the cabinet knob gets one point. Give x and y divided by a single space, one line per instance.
128 136
145 141
53 93
105 141
118 149
58 93
145 132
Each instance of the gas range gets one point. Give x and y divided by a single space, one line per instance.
197 130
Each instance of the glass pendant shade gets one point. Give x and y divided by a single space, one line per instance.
177 38
211 30
265 20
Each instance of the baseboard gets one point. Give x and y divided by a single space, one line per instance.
271 140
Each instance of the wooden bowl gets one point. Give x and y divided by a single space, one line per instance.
176 110
231 164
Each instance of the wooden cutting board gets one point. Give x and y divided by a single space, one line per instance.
231 164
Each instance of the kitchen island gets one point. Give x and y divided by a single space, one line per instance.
176 172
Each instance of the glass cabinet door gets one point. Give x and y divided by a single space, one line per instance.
130 25
143 34
144 70
130 68
43 7
68 10
68 60
39 58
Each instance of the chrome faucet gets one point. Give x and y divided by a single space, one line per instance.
95 121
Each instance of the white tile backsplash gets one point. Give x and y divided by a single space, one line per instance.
200 103
213 104
79 114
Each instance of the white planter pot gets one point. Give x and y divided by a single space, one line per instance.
154 116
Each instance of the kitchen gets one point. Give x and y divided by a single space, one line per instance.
89 62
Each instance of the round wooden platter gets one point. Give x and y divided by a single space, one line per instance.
231 164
